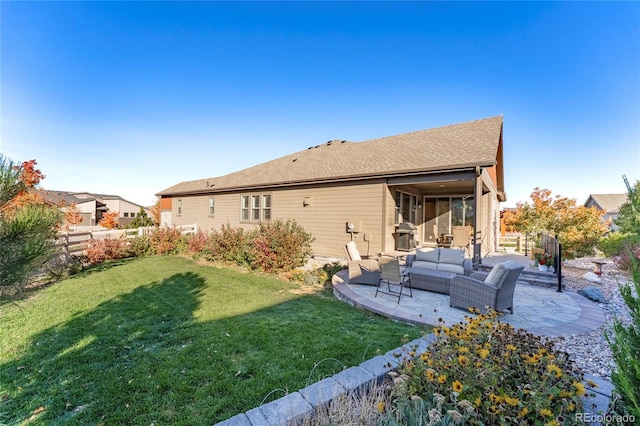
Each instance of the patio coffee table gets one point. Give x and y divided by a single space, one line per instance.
427 279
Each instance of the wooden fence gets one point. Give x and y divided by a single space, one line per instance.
74 242
517 243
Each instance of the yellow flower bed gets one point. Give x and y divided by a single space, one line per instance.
486 372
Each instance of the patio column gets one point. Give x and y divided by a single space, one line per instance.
477 217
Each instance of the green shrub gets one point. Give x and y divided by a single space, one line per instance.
63 266
27 241
104 249
140 245
166 240
279 246
486 372
611 244
227 245
332 268
625 347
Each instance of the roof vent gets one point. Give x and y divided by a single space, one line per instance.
329 143
294 160
343 141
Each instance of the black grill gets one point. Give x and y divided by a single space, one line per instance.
405 236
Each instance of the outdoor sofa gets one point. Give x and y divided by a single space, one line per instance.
440 259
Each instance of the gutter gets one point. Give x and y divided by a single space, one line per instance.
353 178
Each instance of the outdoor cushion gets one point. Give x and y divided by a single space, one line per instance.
424 265
498 272
450 267
352 251
428 255
451 256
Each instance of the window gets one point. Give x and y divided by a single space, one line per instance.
266 207
179 207
255 208
126 214
244 208
406 207
212 204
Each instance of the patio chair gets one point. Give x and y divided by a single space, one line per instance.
390 273
461 237
494 291
361 271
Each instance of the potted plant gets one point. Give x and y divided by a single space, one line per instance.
544 260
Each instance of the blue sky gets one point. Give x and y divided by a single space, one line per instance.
130 98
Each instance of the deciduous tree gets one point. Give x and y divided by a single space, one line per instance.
155 212
109 220
72 215
577 227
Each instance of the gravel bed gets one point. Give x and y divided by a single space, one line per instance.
590 351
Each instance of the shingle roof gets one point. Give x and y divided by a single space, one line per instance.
443 148
609 203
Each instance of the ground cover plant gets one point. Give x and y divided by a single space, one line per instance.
483 371
165 340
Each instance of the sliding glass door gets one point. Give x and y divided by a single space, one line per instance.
441 214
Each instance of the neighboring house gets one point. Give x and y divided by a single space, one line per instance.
341 190
92 206
609 204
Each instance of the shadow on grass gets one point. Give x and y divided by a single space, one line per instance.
76 362
143 357
17 296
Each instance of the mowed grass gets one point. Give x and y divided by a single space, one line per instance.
165 340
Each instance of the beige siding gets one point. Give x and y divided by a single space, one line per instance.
325 217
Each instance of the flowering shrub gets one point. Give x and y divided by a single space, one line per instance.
197 242
107 249
166 240
629 253
486 372
279 246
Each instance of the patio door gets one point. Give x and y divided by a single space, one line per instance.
442 213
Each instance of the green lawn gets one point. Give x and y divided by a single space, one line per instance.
165 340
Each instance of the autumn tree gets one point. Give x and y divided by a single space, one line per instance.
109 220
577 227
28 225
155 211
72 215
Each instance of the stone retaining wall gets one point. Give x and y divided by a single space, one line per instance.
297 405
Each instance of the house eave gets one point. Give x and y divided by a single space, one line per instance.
338 179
